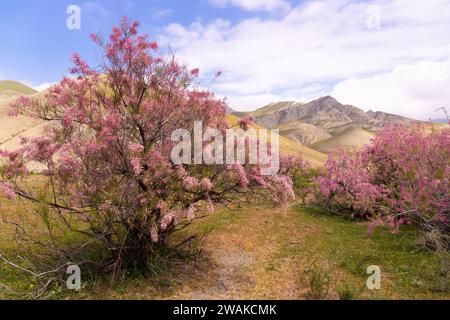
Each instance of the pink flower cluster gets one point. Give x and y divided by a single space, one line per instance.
7 190
110 154
244 123
403 174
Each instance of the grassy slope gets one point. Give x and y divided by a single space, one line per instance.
273 107
290 147
13 127
348 139
302 128
15 88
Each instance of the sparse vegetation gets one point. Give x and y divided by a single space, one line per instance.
319 282
238 262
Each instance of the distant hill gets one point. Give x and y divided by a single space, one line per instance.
290 147
386 117
13 89
229 110
351 138
325 112
321 120
303 133
440 121
12 128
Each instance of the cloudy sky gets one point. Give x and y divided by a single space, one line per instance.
389 55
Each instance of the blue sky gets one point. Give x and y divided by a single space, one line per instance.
37 46
390 55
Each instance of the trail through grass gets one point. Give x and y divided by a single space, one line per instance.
271 253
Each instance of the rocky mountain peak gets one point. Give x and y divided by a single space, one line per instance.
322 117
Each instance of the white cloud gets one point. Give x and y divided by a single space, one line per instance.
95 8
415 90
43 86
254 5
252 102
161 14
315 45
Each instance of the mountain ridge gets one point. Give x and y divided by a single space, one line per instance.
324 112
321 119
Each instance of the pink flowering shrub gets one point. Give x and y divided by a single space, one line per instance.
301 173
346 186
107 150
402 176
413 164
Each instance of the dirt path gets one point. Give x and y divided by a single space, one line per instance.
271 253
241 260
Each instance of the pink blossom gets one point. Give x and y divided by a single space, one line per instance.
136 165
244 123
195 72
167 220
190 213
7 190
401 175
207 184
154 234
243 179
190 182
110 152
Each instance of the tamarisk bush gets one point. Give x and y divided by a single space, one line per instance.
346 186
106 154
300 172
401 177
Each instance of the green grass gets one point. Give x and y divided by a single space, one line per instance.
328 256
311 238
408 272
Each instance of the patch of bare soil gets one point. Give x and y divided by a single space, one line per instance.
240 261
